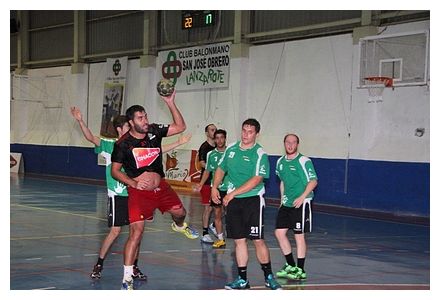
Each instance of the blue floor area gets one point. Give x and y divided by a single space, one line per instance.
56 230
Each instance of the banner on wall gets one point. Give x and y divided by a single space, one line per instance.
197 68
182 168
114 90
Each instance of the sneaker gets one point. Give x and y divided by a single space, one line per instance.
127 285
137 274
271 283
285 270
219 243
211 227
189 232
96 273
297 274
207 239
238 284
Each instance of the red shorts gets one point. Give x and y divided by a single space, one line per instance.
141 204
205 191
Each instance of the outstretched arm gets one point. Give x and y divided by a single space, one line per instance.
178 124
181 141
76 113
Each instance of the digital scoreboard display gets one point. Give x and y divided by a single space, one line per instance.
198 19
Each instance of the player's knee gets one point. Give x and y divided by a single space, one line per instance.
178 213
279 233
115 231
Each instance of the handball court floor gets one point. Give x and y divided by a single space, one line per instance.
56 230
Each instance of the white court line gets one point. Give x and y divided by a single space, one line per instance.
46 288
169 251
350 249
146 251
63 256
34 258
94 254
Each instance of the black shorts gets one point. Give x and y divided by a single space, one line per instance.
117 211
245 218
297 219
222 195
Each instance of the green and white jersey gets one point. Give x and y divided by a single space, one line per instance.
114 187
212 159
240 165
295 174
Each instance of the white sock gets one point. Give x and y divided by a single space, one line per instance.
220 236
128 271
180 228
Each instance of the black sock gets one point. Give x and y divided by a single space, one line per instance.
135 262
100 261
267 269
205 230
242 272
289 259
301 262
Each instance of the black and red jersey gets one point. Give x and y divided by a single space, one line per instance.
140 155
203 152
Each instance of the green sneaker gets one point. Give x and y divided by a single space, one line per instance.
271 283
285 270
188 231
297 274
238 284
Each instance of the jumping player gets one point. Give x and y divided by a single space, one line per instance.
139 153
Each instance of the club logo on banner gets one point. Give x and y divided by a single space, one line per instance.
197 68
114 90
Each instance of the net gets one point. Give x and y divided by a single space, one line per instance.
376 86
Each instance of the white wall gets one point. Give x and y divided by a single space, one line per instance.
307 86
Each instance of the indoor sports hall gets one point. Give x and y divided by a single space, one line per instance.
353 85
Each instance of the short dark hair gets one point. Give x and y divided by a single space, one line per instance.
252 122
292 134
119 121
207 126
132 109
220 131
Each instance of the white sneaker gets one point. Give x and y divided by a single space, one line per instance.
213 230
207 239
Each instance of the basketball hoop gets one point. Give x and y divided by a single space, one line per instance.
376 85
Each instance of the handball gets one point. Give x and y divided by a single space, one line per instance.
165 87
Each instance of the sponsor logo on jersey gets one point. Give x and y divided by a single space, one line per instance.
151 136
231 154
311 173
144 157
263 170
245 158
292 168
